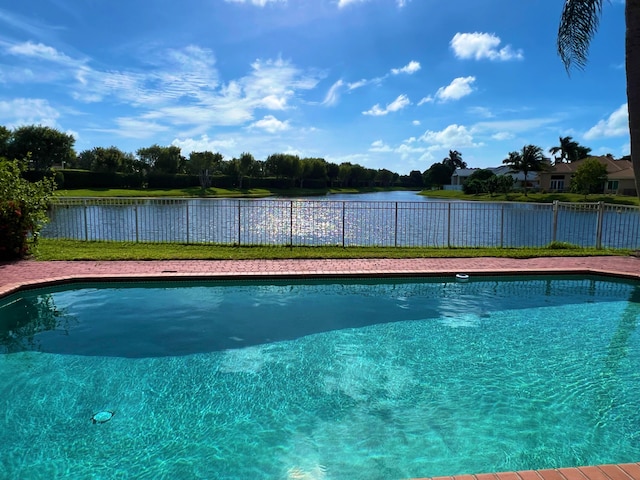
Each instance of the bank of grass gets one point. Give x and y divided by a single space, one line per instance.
531 197
78 250
212 192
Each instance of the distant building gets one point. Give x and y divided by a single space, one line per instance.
620 177
460 175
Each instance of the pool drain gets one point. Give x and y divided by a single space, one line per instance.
102 417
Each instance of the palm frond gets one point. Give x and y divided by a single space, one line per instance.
578 24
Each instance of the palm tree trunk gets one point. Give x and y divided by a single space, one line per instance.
632 17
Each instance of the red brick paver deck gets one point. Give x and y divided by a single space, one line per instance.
22 274
19 274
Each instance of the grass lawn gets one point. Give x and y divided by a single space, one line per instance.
78 250
211 192
531 197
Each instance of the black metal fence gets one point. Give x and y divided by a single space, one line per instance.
344 223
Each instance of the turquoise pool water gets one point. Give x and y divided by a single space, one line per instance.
320 379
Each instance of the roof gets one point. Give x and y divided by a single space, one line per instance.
614 167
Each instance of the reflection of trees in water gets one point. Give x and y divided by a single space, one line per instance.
23 320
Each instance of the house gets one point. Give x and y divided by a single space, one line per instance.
620 177
460 175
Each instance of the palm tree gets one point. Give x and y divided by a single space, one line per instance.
569 150
530 159
454 160
578 25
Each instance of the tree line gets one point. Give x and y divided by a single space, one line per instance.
45 147
159 166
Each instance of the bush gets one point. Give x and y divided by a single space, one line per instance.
23 209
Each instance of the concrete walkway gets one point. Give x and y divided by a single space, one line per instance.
21 274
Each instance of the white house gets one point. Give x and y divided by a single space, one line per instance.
460 175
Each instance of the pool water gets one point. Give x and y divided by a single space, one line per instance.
344 379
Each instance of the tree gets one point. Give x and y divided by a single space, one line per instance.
162 159
438 174
529 159
478 182
5 137
589 178
454 160
45 146
578 24
569 150
245 164
23 209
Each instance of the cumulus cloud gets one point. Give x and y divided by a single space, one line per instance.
398 104
379 146
454 135
410 68
204 143
479 46
458 88
616 125
28 111
271 124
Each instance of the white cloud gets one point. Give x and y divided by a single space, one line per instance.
416 122
398 104
427 99
333 95
616 125
458 88
411 68
379 146
204 143
28 111
482 45
271 124
500 136
344 3
41 52
452 137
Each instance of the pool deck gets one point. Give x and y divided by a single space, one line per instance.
15 276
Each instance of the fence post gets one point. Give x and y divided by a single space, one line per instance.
502 226
343 221
187 208
291 223
238 222
86 223
135 210
555 221
599 225
395 233
448 224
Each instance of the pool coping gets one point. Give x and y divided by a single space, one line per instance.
28 274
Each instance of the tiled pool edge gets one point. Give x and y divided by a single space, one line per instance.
624 471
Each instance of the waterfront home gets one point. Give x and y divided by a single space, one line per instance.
460 175
620 177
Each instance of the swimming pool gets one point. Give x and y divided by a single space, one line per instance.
319 379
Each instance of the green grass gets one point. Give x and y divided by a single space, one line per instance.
79 250
531 197
211 192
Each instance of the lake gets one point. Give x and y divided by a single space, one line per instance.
399 218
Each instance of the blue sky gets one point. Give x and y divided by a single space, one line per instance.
387 84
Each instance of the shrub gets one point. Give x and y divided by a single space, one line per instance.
23 209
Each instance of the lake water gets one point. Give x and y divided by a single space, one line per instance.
399 218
